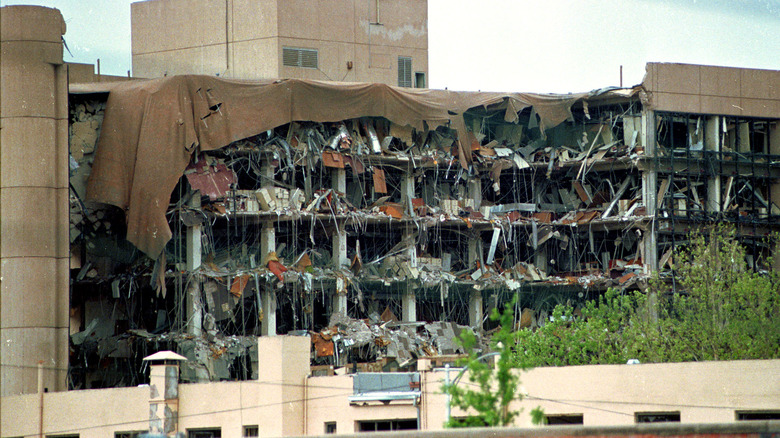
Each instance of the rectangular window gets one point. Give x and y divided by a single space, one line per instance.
129 434
757 415
563 419
404 71
204 433
419 80
330 427
386 425
657 417
251 431
294 57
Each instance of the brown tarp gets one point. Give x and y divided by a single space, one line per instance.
151 129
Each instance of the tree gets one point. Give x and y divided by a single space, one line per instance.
722 310
491 388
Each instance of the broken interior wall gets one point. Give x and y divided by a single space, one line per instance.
34 201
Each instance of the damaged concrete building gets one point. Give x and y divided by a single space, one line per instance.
382 221
375 222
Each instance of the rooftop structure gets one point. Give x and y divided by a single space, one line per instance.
345 40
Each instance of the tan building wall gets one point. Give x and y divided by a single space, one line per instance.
34 252
704 89
284 402
356 41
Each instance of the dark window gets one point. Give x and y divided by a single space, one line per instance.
419 79
204 433
758 415
129 434
563 419
387 425
404 71
330 427
251 431
657 417
307 58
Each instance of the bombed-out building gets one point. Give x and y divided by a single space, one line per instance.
367 223
382 221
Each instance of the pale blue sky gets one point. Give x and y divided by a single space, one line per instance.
517 45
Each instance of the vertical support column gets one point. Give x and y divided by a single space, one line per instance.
164 393
540 254
476 312
774 188
267 173
34 245
268 295
409 306
712 139
339 297
475 296
339 177
409 297
407 192
194 252
339 239
474 251
475 191
650 189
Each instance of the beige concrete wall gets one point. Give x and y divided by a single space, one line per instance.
705 89
285 403
370 35
171 37
33 200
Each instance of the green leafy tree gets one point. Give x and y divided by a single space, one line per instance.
490 389
722 310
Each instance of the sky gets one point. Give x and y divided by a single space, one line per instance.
550 46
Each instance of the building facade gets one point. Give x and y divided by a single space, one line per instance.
383 41
287 401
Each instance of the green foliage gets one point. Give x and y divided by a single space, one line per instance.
723 311
489 389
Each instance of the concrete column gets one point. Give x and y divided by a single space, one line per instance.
650 190
407 192
267 294
474 250
476 312
475 191
267 173
34 243
268 301
194 252
339 239
339 297
409 306
712 139
339 177
164 393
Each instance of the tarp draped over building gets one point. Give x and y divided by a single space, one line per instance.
151 128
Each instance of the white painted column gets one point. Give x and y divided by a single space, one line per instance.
712 142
